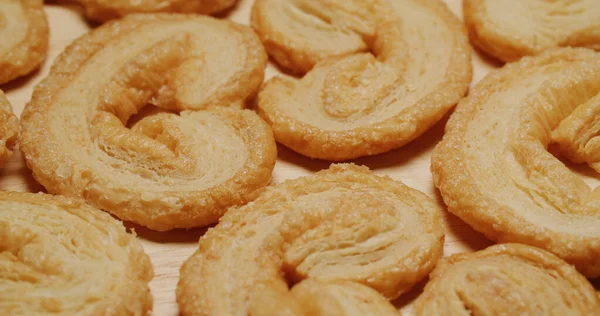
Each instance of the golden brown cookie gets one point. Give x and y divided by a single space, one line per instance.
104 10
23 37
511 29
507 279
493 168
340 225
354 103
60 256
9 127
166 170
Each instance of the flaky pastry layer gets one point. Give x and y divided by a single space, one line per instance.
59 256
352 102
24 37
578 135
162 170
511 29
507 279
342 234
493 168
105 10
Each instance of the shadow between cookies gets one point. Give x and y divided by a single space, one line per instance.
20 82
485 58
15 176
405 301
225 14
457 231
191 235
416 149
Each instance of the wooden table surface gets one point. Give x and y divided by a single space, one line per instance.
167 251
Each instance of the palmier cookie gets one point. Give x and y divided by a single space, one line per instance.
493 168
23 37
104 10
166 171
9 127
345 231
353 103
511 29
507 279
60 256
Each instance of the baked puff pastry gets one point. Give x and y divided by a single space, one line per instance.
511 29
23 37
493 168
507 279
165 170
104 10
344 235
9 127
60 256
353 102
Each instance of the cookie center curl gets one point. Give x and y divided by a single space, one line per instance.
358 85
156 142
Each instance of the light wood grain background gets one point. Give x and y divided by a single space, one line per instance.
409 164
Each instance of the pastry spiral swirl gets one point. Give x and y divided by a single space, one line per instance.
9 127
352 103
60 256
24 37
493 168
104 10
344 231
507 279
511 29
166 171
578 134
